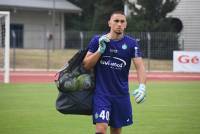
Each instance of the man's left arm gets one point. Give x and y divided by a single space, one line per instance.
140 93
141 73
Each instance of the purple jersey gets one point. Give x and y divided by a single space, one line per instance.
112 69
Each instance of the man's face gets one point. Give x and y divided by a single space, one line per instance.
117 23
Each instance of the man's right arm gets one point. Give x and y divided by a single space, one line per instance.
91 59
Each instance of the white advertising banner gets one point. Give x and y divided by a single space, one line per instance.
186 61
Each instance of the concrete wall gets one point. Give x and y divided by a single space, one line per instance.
37 25
188 11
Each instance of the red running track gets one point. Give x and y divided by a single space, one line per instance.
48 77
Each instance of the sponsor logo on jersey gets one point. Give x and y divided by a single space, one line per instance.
113 50
113 62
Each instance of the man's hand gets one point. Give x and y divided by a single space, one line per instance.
139 94
102 43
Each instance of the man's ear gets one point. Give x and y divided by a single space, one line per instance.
109 23
125 24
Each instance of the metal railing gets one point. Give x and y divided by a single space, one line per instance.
38 52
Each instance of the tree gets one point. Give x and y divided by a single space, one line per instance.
150 15
103 9
94 15
83 21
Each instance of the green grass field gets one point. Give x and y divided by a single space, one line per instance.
170 108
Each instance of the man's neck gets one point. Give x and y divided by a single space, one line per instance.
114 36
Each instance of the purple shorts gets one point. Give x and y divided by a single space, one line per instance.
115 111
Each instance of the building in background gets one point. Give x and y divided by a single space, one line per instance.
188 11
37 23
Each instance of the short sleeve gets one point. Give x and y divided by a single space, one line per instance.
135 49
93 45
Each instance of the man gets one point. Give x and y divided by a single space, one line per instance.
110 55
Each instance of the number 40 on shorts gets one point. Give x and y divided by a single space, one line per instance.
104 115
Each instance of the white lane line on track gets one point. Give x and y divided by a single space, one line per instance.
31 74
170 76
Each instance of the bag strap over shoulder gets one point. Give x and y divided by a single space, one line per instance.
75 61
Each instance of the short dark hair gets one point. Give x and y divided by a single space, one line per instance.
117 12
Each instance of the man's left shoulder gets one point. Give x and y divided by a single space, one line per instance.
130 38
132 41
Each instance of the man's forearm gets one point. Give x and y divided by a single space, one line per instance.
91 59
141 74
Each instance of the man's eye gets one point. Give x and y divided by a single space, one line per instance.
122 21
116 21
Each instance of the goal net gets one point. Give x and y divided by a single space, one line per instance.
4 46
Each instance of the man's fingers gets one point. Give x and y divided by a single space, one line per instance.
104 39
140 101
140 98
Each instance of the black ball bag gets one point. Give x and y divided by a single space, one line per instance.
76 100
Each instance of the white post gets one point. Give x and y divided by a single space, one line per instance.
149 49
7 47
125 8
81 37
62 31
